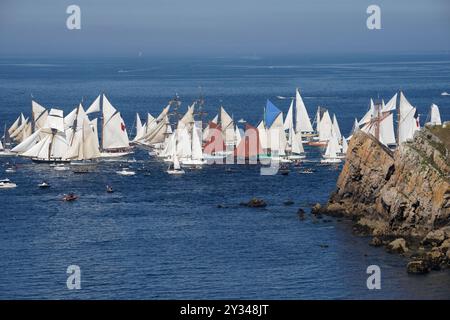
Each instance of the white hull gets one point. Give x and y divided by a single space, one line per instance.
7 153
112 155
7 185
190 162
331 160
175 172
296 157
126 173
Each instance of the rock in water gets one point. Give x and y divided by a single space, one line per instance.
376 242
256 203
417 267
397 246
316 209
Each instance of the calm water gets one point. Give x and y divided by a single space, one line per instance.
160 236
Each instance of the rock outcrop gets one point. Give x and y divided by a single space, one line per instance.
404 194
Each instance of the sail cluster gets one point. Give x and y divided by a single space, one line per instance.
51 136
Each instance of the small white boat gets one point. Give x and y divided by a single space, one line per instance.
445 93
43 185
126 172
331 160
176 168
7 184
60 167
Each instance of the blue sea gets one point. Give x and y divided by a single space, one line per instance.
165 237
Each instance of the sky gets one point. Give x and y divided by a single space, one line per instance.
221 28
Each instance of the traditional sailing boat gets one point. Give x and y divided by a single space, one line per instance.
175 168
47 144
324 127
276 137
114 137
332 150
302 120
434 116
83 141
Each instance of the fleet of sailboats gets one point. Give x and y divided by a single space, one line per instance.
186 141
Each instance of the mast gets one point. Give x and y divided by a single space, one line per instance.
378 121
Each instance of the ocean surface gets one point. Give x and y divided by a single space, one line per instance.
164 237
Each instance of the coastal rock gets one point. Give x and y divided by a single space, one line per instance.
435 258
417 267
401 194
255 203
445 245
397 246
316 209
376 242
434 238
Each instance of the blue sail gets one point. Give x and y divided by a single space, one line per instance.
270 113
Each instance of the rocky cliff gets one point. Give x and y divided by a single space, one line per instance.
403 194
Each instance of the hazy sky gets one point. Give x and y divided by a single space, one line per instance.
226 27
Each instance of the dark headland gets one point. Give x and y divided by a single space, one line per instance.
400 198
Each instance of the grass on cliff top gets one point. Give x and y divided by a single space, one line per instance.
442 133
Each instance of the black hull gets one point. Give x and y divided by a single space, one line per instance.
49 161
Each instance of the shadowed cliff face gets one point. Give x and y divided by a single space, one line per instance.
402 193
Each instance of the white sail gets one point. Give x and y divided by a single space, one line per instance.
332 147
289 121
176 163
336 128
369 114
197 153
277 136
302 121
114 131
15 125
391 105
262 133
225 119
28 142
184 146
296 144
215 119
55 120
188 117
94 127
163 113
85 144
325 127
39 115
95 106
237 136
345 145
407 124
435 116
140 130
387 134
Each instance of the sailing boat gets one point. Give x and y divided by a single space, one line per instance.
330 155
3 151
302 120
48 144
324 128
83 146
434 116
196 154
114 138
276 137
175 168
